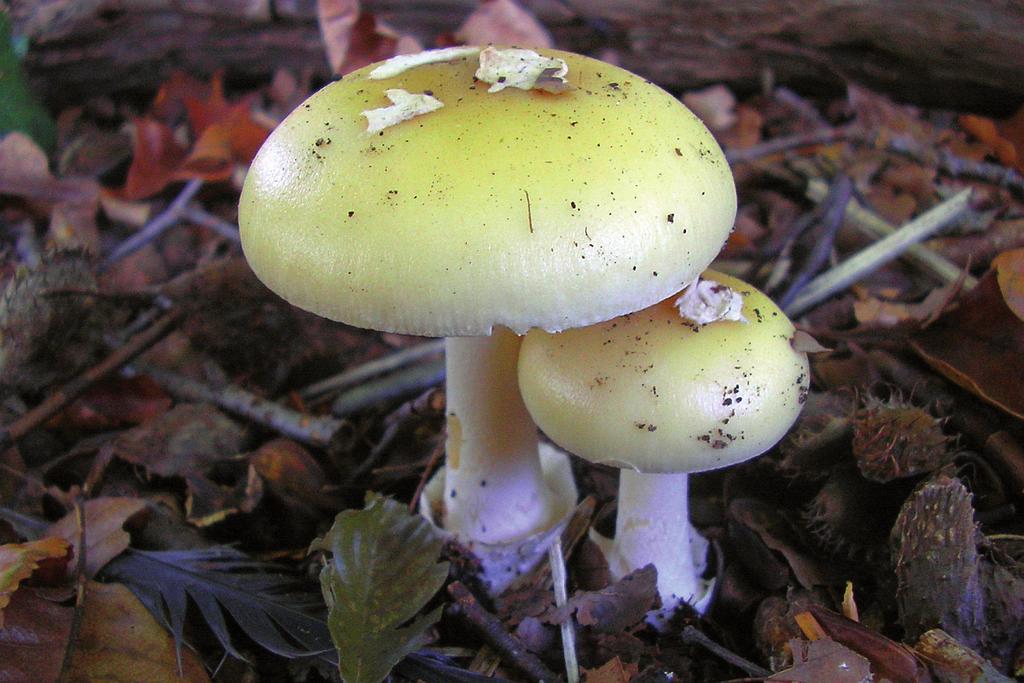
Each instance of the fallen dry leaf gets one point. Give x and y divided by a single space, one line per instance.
617 607
293 475
1009 267
71 202
121 641
19 560
612 671
980 346
34 638
337 18
117 402
889 659
156 156
105 538
209 502
503 22
823 660
1004 139
714 105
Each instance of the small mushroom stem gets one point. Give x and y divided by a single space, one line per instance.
653 527
494 489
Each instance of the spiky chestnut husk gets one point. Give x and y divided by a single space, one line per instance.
894 439
820 439
50 325
851 516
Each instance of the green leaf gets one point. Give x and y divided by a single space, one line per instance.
381 573
20 110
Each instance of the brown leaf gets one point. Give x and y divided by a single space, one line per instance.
105 538
1004 139
156 156
1009 267
503 22
117 402
888 658
617 607
71 202
120 641
714 105
293 475
612 671
33 639
980 346
19 560
823 660
209 502
803 342
187 438
372 40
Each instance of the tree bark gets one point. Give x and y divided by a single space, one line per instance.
957 55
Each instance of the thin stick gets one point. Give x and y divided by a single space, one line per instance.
567 627
156 227
835 202
376 367
871 225
395 385
692 636
208 220
59 400
80 584
394 423
493 631
871 258
313 431
435 457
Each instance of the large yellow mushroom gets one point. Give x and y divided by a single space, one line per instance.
476 194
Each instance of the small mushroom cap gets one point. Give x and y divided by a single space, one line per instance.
521 208
654 392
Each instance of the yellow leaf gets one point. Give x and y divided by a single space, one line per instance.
19 560
120 641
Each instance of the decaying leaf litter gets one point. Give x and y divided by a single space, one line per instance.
170 427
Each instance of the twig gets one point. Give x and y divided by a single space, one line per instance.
835 203
208 220
80 583
156 227
869 259
375 367
395 385
567 627
817 137
875 227
996 174
493 631
692 636
435 457
394 422
313 431
60 399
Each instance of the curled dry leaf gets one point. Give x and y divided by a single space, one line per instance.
1009 267
612 671
121 641
980 346
617 607
823 660
105 538
19 560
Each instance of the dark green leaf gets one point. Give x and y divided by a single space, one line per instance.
20 110
382 571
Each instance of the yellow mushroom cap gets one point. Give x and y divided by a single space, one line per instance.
654 392
522 208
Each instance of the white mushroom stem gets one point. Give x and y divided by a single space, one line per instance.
494 490
653 527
